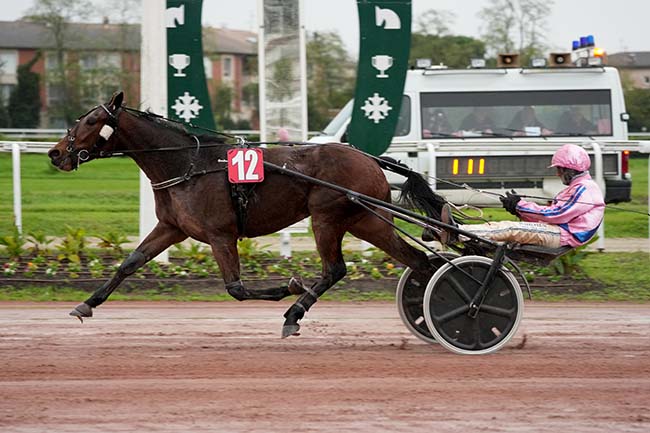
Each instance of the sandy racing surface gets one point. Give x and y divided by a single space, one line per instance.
221 367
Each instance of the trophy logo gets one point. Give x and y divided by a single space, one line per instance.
179 62
382 63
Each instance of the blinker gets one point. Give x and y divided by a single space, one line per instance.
106 132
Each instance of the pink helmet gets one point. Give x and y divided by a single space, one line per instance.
571 156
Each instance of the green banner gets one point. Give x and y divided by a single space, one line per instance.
187 93
385 33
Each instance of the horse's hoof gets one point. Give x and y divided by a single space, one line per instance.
289 330
81 311
295 286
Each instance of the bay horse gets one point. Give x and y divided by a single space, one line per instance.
193 198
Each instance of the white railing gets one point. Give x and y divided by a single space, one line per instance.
433 149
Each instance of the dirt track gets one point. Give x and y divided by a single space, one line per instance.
222 367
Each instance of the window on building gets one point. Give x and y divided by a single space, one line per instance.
8 66
226 67
5 92
54 94
646 80
100 76
100 60
207 66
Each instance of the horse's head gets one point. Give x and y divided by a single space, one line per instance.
91 137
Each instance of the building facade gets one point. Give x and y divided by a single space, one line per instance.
634 67
85 63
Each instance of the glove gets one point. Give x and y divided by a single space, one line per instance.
510 201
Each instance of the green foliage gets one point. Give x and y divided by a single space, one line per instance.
223 106
453 51
14 244
73 244
569 263
39 241
330 78
25 100
637 102
5 120
113 241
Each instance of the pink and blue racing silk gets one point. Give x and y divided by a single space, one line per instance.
578 210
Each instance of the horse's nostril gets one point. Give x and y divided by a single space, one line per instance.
54 153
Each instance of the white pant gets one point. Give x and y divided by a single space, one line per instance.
547 235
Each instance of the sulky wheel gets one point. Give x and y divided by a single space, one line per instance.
410 296
447 307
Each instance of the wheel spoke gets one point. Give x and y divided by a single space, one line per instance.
498 311
458 288
452 314
410 300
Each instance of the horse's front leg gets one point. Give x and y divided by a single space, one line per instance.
160 238
227 257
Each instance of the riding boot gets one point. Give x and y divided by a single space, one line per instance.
448 236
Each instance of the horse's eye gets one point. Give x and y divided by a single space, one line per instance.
91 121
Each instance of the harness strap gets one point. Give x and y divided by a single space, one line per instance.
239 196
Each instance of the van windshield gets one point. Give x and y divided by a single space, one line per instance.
565 113
335 125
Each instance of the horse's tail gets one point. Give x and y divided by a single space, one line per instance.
416 192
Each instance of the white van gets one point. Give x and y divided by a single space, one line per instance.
496 129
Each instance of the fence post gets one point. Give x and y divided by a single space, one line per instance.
599 177
18 209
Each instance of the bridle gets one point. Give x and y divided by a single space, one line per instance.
83 155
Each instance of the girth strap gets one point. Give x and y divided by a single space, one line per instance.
239 195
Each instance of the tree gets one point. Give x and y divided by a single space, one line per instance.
5 120
516 26
453 51
223 106
435 22
25 100
330 77
637 102
55 16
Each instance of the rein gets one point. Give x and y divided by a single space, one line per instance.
190 173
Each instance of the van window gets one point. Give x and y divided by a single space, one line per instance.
404 121
565 113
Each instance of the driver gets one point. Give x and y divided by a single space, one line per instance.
571 219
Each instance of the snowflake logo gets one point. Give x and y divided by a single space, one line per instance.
187 107
376 108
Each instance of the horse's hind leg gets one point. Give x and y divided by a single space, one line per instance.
225 253
383 236
328 242
161 238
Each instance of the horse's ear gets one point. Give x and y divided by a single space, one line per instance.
116 100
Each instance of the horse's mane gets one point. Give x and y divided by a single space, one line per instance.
176 127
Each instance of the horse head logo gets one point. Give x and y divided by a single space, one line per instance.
388 18
175 17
